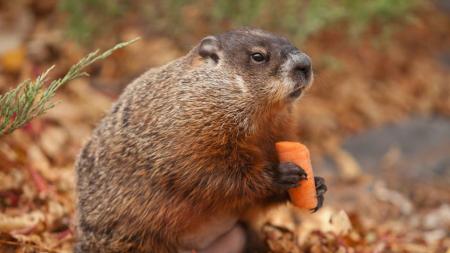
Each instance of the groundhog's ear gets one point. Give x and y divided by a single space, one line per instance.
209 48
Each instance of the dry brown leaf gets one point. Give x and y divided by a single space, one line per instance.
393 197
52 140
349 169
12 60
10 223
340 222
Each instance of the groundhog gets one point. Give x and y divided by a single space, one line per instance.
186 156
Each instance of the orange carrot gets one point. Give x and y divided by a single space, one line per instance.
303 196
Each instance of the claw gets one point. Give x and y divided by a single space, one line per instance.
289 175
321 188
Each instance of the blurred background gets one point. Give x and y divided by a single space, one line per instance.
376 119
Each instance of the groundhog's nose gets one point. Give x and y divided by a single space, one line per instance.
302 68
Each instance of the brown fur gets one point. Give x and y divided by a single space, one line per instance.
182 144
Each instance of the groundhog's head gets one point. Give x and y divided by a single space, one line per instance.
262 64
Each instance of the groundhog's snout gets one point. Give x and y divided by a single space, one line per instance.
299 70
302 69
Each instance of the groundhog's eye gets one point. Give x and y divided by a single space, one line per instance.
258 57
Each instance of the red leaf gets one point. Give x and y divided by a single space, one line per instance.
39 182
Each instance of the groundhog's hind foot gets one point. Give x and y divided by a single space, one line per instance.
321 188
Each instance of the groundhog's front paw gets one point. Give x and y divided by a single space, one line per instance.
321 188
288 175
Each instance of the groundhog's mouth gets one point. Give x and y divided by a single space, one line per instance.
296 93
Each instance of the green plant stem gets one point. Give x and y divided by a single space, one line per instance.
30 99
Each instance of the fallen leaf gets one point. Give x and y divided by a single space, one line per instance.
12 60
340 223
10 223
